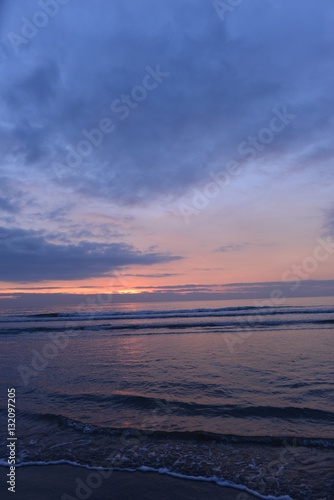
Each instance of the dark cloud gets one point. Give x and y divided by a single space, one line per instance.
7 206
12 199
260 292
28 256
180 288
224 79
248 290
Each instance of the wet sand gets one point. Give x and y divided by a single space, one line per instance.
64 482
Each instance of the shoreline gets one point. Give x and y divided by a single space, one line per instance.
75 482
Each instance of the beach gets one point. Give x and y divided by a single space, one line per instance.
59 482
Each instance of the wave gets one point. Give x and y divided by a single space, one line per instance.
166 314
226 459
227 325
61 421
208 410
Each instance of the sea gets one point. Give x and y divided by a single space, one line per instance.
235 392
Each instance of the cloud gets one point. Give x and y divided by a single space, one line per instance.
6 205
234 291
207 269
237 247
156 275
191 123
246 290
10 197
28 256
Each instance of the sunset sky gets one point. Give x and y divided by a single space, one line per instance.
166 146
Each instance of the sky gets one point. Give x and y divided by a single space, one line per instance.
168 149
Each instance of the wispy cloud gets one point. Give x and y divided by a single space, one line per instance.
235 247
155 275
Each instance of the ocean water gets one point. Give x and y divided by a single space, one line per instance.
231 391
